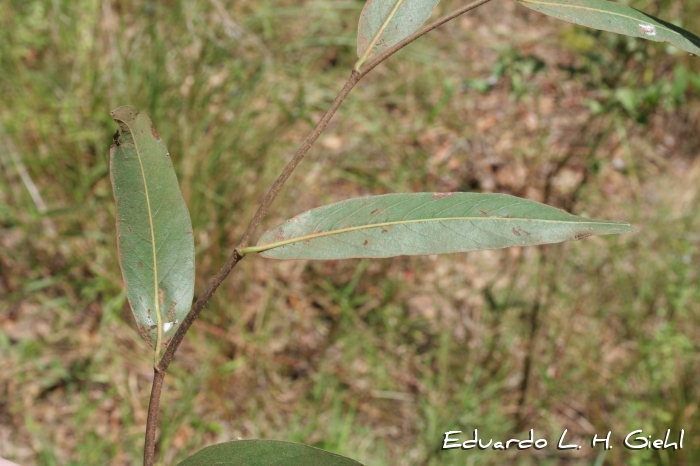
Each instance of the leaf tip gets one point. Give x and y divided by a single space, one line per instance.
124 115
623 227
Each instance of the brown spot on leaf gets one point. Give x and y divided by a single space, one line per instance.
441 195
385 230
279 236
154 132
366 243
144 334
128 229
483 212
579 236
375 211
161 296
171 310
139 265
516 232
188 233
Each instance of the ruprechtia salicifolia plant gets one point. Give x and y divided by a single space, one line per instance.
155 236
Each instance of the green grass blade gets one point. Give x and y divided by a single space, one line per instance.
154 231
266 453
384 23
614 17
425 223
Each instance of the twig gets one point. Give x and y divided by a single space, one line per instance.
214 283
301 152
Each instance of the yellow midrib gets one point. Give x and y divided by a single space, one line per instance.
376 37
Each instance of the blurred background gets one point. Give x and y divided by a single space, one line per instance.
371 359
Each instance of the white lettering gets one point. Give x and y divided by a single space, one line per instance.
447 438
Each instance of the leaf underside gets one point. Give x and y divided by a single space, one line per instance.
154 231
265 453
614 17
425 223
409 16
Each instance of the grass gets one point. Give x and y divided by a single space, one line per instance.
371 359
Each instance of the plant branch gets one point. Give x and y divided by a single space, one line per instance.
161 368
354 78
301 152
149 449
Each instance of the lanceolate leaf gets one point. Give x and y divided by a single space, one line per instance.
265 453
425 223
156 246
614 17
384 23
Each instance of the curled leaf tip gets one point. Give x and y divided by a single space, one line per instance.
124 116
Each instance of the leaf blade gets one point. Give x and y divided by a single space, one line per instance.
424 223
154 230
265 453
614 17
384 23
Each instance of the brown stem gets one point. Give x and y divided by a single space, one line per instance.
149 449
162 367
214 283
301 152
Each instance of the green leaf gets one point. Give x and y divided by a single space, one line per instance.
384 23
614 17
425 223
154 231
265 453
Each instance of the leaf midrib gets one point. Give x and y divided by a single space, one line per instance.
255 249
375 39
159 322
598 10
